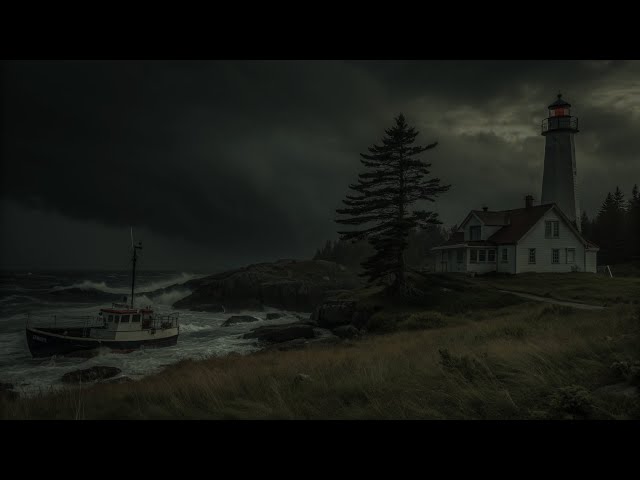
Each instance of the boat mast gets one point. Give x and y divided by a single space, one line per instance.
135 257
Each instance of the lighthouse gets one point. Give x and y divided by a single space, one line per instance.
559 179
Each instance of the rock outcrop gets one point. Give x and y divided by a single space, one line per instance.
286 284
239 319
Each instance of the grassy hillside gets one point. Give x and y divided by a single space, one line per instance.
521 361
579 287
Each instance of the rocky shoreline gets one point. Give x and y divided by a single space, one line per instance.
285 284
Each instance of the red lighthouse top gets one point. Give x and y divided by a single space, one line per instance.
560 108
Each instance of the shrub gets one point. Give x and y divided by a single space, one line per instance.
573 400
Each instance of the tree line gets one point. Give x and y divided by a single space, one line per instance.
615 228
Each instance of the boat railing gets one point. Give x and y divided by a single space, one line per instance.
162 322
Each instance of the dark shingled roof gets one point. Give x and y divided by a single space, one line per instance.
520 222
491 218
559 102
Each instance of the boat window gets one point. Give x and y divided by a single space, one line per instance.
124 319
110 319
115 319
136 318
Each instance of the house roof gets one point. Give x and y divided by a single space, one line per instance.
491 218
515 224
520 222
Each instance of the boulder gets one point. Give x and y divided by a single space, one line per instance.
334 313
239 319
90 374
6 391
209 307
281 333
346 331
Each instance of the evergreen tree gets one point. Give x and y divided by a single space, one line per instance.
605 229
395 179
633 224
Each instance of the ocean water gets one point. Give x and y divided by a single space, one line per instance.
83 294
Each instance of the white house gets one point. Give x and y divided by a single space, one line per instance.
532 239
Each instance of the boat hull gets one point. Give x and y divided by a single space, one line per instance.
45 344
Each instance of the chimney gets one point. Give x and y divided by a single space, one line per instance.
528 201
485 209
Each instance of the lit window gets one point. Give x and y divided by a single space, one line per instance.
504 255
555 255
532 255
474 255
571 255
483 255
492 255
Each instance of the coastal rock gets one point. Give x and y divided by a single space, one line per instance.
90 374
209 307
6 391
239 319
346 331
334 313
281 333
286 284
274 315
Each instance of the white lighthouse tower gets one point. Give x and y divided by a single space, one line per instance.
559 184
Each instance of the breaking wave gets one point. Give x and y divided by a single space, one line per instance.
142 289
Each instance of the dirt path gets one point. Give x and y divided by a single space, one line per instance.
529 296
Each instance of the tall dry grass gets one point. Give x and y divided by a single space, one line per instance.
528 361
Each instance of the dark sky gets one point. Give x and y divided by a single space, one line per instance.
221 163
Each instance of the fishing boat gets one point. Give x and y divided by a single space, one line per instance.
120 327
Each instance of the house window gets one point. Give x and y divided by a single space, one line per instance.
474 232
483 255
504 255
552 229
571 255
115 319
532 255
135 318
474 255
460 255
124 319
492 255
555 255
110 318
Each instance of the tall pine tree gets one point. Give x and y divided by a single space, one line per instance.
382 205
633 224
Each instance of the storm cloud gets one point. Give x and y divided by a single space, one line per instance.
227 162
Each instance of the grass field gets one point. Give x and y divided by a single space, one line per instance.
518 361
579 287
